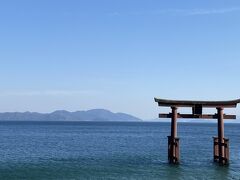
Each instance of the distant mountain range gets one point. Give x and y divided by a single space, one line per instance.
61 115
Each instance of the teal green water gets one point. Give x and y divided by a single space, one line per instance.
104 150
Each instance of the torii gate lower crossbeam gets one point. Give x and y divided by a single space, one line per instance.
220 143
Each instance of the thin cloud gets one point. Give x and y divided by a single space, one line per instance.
184 12
47 93
213 11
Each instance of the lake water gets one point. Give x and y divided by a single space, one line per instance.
107 150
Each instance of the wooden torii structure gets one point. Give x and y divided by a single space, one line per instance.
220 143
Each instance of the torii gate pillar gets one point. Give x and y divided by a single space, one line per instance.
221 144
173 140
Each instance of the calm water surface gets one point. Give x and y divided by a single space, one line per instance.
105 150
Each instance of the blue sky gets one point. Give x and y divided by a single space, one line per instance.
118 55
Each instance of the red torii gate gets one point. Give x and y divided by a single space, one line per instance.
220 144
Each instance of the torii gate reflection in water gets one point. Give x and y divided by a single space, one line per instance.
220 144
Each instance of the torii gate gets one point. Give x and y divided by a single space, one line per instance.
220 144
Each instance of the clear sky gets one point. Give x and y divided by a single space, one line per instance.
117 54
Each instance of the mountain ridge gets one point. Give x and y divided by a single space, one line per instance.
63 115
